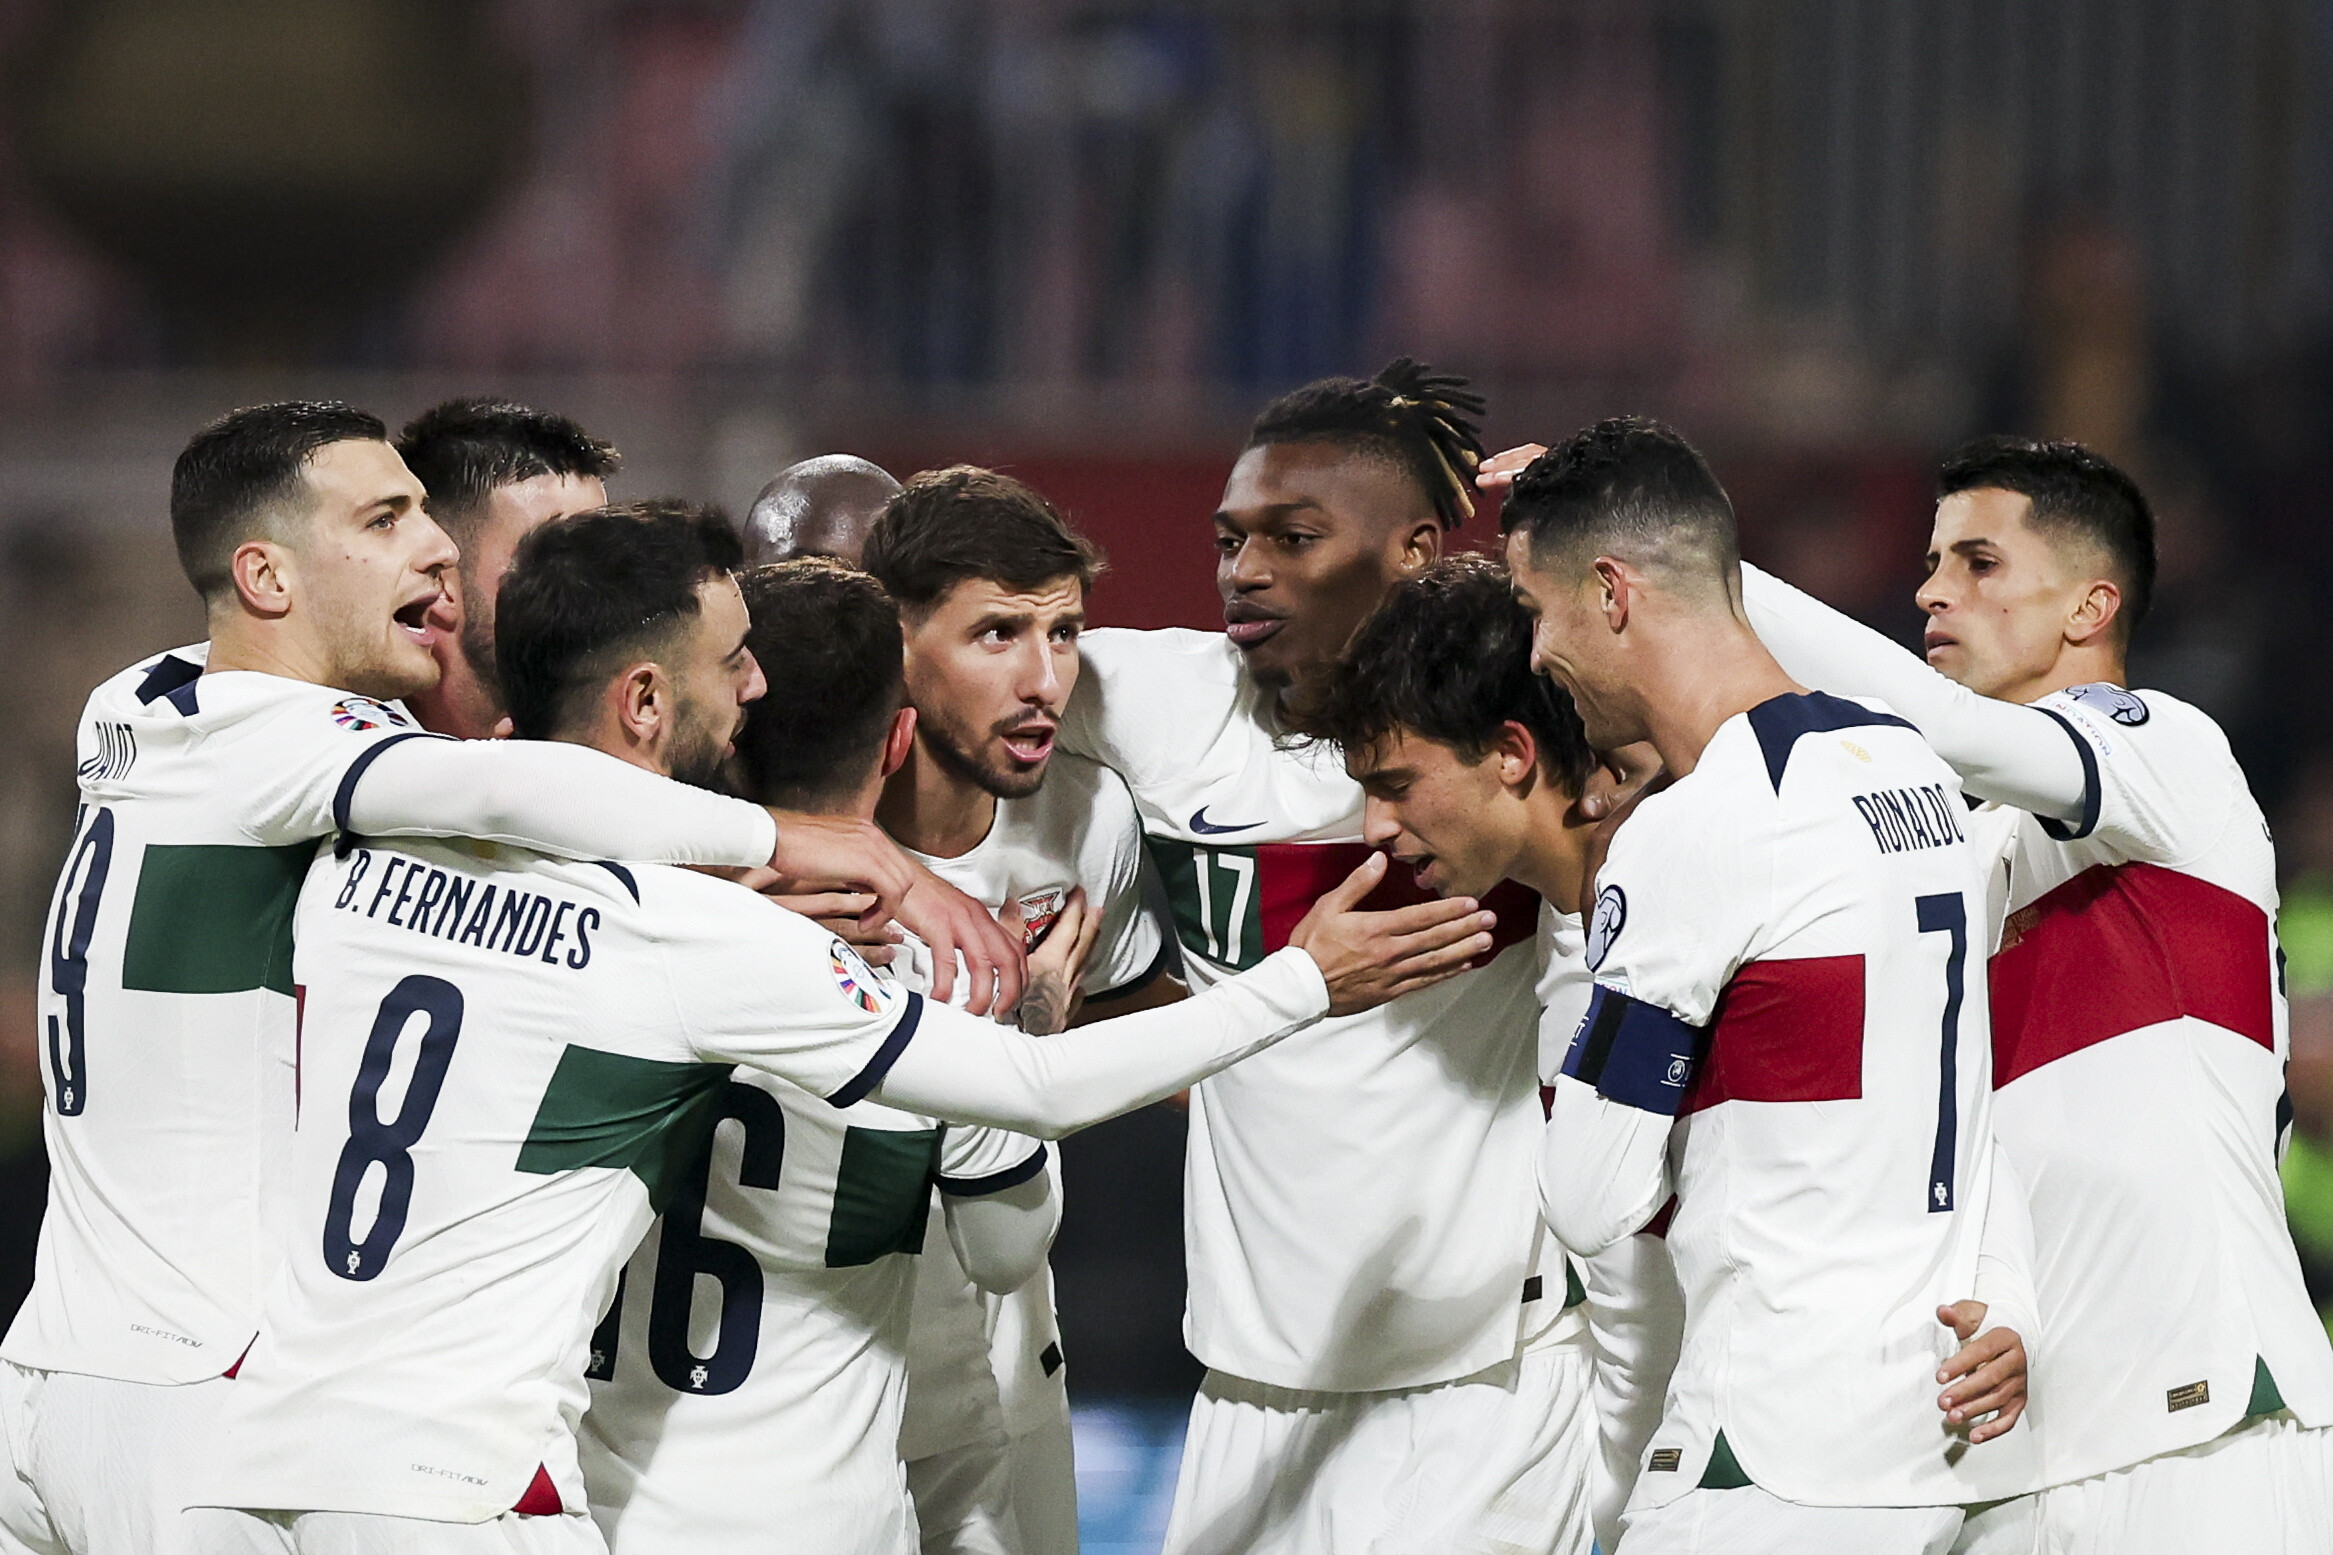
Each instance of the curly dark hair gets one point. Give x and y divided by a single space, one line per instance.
1448 657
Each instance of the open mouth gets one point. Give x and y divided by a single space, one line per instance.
1029 744
426 618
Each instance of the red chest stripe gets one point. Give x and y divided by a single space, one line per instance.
1785 1031
2120 947
1291 876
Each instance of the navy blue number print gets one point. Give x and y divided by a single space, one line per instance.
1947 914
371 1138
683 1253
69 937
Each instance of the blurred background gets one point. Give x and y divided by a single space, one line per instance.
1086 239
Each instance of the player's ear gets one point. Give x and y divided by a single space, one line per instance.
1615 591
640 702
1517 753
1420 546
261 572
2094 616
899 741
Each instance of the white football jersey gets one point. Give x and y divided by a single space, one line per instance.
2139 1043
1359 1206
508 1062
166 1007
1562 991
752 1372
1805 909
977 1361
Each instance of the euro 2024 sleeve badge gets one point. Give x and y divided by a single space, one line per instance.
858 981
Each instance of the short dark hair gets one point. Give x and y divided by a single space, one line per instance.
242 465
1632 489
828 636
963 522
463 450
1448 656
2075 495
587 592
1409 416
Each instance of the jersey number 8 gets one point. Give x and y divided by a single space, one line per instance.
373 1140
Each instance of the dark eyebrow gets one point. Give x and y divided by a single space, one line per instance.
1273 511
1963 547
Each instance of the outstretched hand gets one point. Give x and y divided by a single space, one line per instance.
1498 472
1370 957
1985 1376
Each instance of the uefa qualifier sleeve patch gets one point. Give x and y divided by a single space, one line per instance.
1634 1053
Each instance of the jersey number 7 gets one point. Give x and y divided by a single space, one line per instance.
1946 913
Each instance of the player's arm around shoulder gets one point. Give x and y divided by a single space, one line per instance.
2162 785
753 983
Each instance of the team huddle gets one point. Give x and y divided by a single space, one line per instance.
553 1019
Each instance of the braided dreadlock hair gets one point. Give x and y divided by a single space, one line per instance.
1409 415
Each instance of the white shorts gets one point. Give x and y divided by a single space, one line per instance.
368 1533
2264 1488
1492 1464
1750 1521
964 1499
1017 1497
96 1466
1042 1467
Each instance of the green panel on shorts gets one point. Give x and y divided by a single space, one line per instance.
214 918
1724 1471
2267 1397
642 1115
882 1194
1573 1291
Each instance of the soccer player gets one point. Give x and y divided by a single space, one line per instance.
168 1011
493 471
1474 770
992 585
1786 1033
564 1033
1359 1208
778 1408
2182 1385
822 506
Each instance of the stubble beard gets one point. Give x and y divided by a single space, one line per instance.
950 752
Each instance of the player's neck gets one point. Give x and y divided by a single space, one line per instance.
240 641
1559 853
460 704
1691 682
932 809
2078 664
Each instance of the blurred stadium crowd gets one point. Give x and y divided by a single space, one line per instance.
1085 238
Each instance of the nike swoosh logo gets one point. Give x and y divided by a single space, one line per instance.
1207 828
